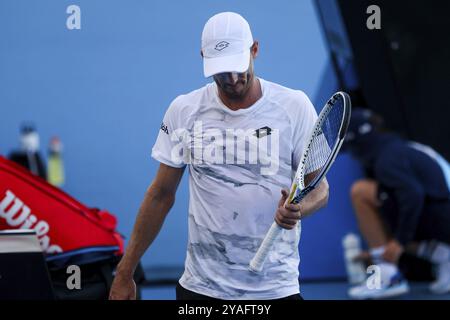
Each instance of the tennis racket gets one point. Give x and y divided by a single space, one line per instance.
318 156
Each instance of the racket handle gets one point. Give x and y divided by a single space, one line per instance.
257 263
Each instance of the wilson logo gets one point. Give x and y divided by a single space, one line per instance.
17 215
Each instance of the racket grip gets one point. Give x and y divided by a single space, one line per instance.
257 263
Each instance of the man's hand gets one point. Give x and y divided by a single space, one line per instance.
392 251
287 216
123 288
157 202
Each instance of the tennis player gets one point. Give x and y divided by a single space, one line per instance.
241 138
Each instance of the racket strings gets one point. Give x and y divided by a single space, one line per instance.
324 140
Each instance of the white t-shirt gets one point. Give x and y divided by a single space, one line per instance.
238 163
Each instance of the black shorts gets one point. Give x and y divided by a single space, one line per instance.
184 294
434 221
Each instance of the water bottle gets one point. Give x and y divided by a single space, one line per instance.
356 272
29 140
55 170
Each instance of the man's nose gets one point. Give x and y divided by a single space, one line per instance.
232 77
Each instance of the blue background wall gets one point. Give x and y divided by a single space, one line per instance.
104 90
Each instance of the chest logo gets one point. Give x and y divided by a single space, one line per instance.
262 132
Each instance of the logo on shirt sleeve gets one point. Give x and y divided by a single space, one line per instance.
164 128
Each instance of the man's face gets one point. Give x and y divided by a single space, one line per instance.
235 85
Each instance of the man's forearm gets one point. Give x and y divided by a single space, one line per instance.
315 200
153 210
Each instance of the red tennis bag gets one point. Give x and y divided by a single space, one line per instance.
68 231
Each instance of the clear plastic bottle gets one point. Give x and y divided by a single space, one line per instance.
356 272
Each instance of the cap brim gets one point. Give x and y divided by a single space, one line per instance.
234 63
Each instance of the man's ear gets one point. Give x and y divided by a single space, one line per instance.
254 50
201 53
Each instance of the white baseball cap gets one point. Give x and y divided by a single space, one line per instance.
226 42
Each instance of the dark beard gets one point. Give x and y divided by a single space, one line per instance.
236 96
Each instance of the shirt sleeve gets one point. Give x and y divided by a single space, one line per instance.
169 146
303 126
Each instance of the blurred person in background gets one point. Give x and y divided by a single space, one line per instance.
402 205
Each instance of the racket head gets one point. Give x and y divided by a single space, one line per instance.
323 145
